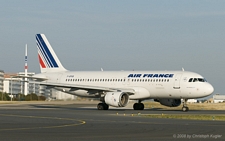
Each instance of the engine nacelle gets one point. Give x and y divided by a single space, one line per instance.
169 102
116 99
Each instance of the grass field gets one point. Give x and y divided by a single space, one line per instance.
192 106
189 117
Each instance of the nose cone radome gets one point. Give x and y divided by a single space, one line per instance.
209 89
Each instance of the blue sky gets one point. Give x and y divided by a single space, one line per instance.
118 35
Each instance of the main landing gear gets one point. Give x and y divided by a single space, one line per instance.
185 107
102 106
138 106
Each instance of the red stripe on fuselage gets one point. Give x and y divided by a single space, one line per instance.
41 62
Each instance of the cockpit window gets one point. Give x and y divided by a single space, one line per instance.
201 80
190 80
197 80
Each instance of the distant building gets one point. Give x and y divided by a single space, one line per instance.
32 87
192 100
15 85
12 85
218 98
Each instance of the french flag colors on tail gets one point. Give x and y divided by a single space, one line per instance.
48 60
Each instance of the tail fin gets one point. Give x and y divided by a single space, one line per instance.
48 60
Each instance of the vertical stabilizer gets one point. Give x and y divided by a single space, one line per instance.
48 60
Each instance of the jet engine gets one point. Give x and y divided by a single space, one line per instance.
116 99
169 102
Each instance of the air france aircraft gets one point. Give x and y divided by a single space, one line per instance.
116 88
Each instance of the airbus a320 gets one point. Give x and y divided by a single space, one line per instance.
116 88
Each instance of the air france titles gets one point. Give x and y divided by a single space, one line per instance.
150 75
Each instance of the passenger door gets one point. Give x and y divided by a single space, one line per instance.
176 84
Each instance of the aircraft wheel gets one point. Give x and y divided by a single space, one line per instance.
185 109
100 106
138 106
142 106
106 107
135 106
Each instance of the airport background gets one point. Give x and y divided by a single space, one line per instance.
12 85
118 35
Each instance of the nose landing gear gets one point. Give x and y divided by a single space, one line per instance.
185 107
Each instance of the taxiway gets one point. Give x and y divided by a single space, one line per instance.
82 121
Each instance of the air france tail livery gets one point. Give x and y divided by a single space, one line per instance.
116 88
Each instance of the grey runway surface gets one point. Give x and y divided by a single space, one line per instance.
46 122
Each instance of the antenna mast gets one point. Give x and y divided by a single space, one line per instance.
26 67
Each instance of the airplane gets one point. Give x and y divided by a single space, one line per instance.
117 88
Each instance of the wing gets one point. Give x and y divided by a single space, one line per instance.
129 91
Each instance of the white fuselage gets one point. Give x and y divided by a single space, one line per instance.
146 84
115 88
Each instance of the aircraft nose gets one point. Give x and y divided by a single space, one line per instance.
209 89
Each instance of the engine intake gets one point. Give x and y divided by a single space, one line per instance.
116 99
